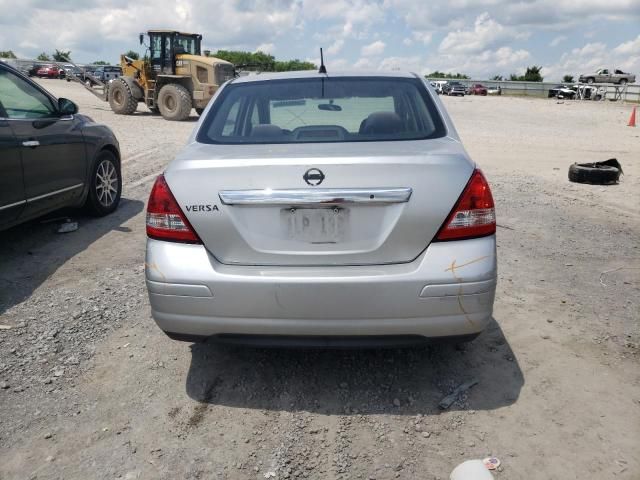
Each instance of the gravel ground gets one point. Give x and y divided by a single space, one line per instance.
90 388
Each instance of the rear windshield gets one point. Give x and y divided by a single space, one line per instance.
342 109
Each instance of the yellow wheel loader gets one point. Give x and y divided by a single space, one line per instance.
171 80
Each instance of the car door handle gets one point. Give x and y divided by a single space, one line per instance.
31 143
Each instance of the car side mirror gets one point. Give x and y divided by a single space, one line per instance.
67 107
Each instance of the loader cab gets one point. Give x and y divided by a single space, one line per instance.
164 45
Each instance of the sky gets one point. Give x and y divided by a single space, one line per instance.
481 38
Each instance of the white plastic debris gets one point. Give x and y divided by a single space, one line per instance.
68 227
471 470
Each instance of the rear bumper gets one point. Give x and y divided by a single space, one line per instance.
447 291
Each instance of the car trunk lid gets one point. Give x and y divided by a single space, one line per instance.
331 204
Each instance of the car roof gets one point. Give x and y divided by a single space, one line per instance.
260 77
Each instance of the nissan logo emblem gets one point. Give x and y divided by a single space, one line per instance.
313 177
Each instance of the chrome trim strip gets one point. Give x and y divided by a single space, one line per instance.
4 207
316 196
62 190
65 118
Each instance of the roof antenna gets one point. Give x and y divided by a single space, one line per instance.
322 68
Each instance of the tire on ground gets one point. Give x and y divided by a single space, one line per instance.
593 173
121 97
105 185
175 102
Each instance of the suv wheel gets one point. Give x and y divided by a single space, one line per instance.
105 185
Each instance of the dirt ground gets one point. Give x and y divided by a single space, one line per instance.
90 387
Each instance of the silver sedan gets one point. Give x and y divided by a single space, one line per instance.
308 208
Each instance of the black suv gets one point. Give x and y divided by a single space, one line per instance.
453 88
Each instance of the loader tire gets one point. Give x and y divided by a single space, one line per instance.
175 102
121 98
594 173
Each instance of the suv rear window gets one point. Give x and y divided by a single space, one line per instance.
323 109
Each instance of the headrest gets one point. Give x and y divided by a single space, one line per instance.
266 130
381 122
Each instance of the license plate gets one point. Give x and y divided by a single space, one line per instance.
316 225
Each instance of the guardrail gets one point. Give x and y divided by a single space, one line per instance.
541 89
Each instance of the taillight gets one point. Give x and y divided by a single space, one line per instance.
474 215
165 220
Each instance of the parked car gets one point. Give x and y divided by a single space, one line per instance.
438 84
50 156
454 88
106 73
495 90
589 92
71 71
359 219
604 75
87 74
477 89
50 71
32 71
562 91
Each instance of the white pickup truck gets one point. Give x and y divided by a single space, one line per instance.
605 75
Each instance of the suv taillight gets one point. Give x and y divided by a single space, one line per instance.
474 215
165 220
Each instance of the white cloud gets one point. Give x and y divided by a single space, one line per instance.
557 14
632 47
593 55
364 64
266 48
373 49
424 37
482 64
558 40
409 63
336 46
106 28
486 33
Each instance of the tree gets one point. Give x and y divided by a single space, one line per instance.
260 60
43 57
497 78
438 74
61 55
7 54
567 79
532 74
291 65
133 55
100 62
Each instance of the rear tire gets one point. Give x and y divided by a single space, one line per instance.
121 98
105 185
591 80
623 81
175 102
